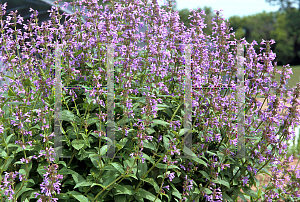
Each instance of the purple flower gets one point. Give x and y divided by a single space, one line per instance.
171 176
245 180
159 138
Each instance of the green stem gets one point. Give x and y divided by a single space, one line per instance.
161 184
145 175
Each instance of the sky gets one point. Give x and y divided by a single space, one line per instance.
230 7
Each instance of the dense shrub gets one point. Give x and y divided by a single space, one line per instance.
149 110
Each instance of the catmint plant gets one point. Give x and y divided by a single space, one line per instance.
149 104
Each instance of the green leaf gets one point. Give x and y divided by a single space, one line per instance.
193 156
166 142
78 196
89 65
103 150
204 174
223 182
78 144
83 184
149 145
109 177
118 167
122 143
77 53
91 120
124 189
66 115
150 130
228 199
208 191
77 177
8 162
264 170
242 197
159 122
164 166
27 82
148 158
11 92
95 160
131 175
11 58
142 169
259 193
153 183
120 198
23 190
161 107
175 192
249 192
145 194
8 138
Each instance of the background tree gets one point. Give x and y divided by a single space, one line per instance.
291 27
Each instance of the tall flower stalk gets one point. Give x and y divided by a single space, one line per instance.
149 89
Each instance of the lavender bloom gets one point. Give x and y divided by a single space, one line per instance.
245 180
51 183
171 176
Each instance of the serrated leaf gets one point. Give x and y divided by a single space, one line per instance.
77 177
118 167
11 92
8 162
77 53
153 183
142 169
78 144
124 189
242 197
109 177
66 115
150 130
208 191
122 143
166 142
131 175
175 192
193 156
149 145
120 198
23 190
83 184
223 182
249 192
164 166
159 122
95 160
145 194
204 174
225 196
78 196
8 138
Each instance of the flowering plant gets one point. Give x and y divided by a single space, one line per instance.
149 129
